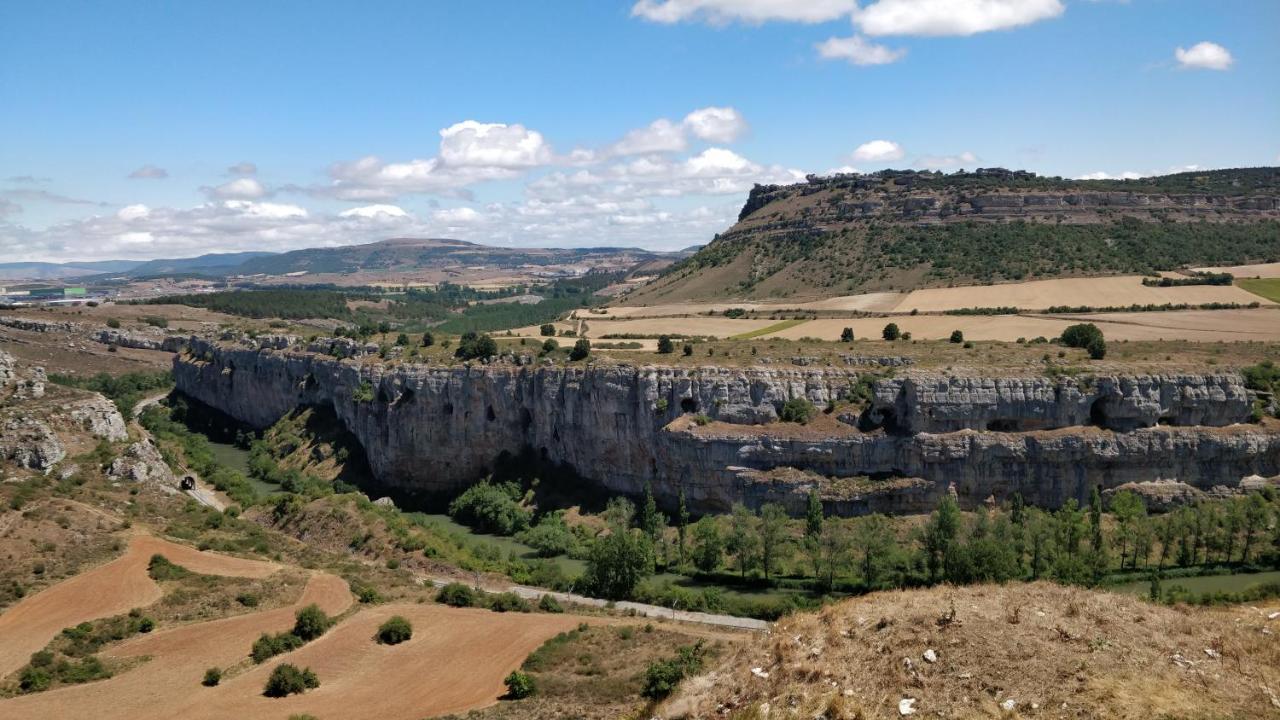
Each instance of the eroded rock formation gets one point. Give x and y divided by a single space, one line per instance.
437 429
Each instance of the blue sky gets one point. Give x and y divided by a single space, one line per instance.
144 129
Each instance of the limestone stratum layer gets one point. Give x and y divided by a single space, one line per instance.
713 432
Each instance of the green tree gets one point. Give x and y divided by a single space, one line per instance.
547 330
940 534
874 543
957 336
708 545
891 332
581 349
619 560
650 521
428 339
813 515
743 540
682 525
665 346
1097 348
773 536
1129 511
846 335
472 346
402 340
1081 335
1256 516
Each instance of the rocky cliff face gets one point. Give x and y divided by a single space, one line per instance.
30 422
924 403
437 429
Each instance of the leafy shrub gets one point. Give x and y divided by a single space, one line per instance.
508 602
662 676
394 631
519 685
581 349
310 623
160 568
1081 335
472 345
457 595
665 346
113 323
288 680
212 677
891 332
957 337
797 410
550 537
1097 348
547 330
268 646
490 507
846 335
550 346
548 604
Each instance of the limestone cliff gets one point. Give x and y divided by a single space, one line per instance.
436 429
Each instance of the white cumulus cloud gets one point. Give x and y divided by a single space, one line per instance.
716 124
453 216
751 11
859 51
951 17
1204 56
659 136
476 144
133 212
245 188
375 211
878 151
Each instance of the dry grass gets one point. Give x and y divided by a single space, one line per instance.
1054 651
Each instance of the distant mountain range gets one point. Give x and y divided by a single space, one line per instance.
395 255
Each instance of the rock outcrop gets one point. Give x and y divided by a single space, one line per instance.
97 416
29 443
437 429
141 463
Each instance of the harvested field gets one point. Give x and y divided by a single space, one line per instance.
705 326
1262 270
110 589
869 302
1020 650
1191 325
1096 292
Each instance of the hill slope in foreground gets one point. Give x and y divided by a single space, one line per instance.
898 230
1024 650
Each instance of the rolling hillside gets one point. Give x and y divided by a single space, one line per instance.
402 254
898 230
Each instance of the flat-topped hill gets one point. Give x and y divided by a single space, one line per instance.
896 230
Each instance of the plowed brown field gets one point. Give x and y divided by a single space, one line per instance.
456 661
110 589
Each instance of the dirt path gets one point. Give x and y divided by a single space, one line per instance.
109 589
641 609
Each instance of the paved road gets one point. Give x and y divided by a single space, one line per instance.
202 493
644 609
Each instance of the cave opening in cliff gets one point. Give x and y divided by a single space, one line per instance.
489 414
689 405
1098 412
